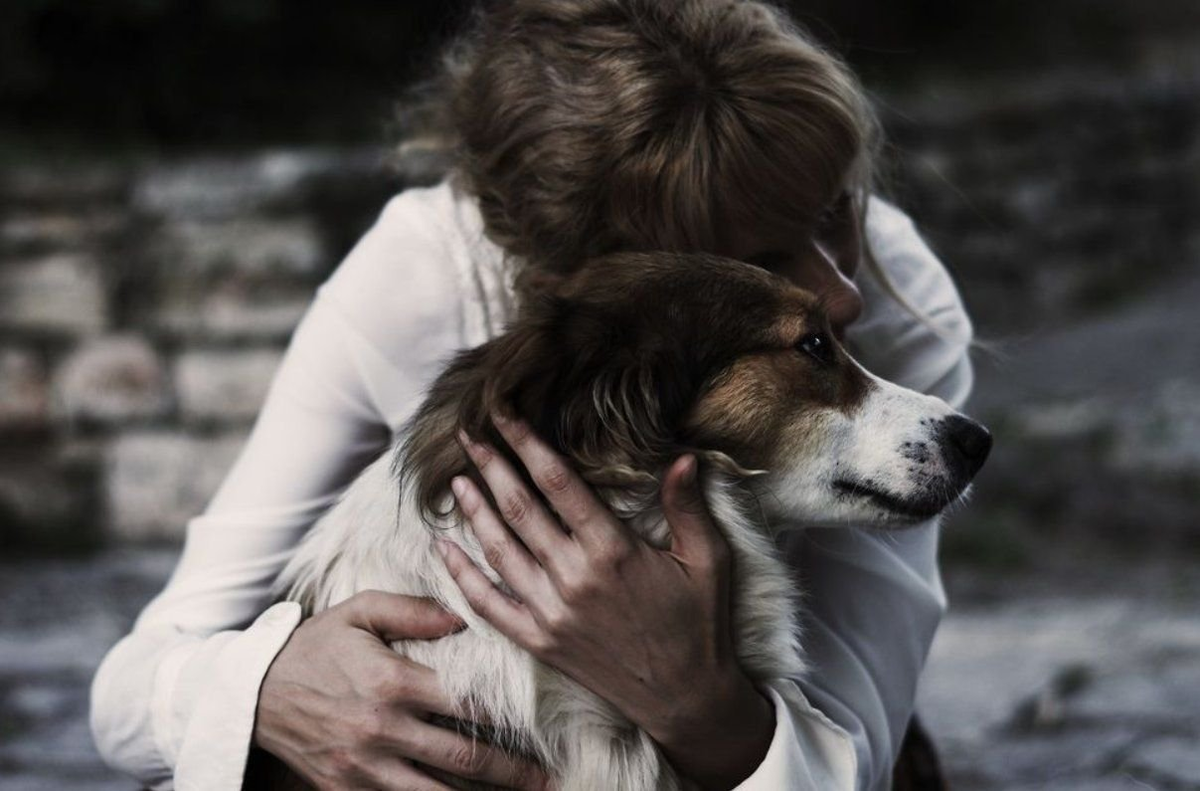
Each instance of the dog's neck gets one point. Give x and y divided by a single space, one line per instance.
628 480
732 505
641 512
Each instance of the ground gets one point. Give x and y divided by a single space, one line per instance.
1070 684
1032 684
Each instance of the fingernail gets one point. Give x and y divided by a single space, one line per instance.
498 418
440 546
467 443
459 486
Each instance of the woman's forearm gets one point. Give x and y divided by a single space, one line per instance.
722 741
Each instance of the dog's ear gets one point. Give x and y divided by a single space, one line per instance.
515 371
601 394
430 456
598 393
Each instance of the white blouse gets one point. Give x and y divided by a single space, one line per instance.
173 702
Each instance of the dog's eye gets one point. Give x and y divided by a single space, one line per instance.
817 346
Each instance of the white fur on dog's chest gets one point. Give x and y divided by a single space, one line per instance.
373 539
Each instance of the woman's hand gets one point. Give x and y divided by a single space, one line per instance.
343 710
647 630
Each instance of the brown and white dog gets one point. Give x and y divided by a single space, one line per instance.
623 366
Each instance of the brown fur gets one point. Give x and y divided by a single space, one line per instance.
630 362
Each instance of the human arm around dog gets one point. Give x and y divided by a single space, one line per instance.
174 703
340 707
601 593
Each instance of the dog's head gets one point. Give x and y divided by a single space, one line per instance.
639 357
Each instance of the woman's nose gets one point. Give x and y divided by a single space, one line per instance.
841 299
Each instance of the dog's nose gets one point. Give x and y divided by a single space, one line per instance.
969 442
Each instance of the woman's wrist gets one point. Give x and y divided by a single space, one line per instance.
724 740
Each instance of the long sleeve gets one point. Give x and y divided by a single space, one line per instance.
874 599
173 702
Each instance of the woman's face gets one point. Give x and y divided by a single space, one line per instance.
822 259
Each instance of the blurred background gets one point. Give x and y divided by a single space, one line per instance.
176 178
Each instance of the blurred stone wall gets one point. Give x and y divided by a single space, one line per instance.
1057 197
144 306
143 310
1067 206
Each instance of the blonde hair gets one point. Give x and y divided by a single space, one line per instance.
592 126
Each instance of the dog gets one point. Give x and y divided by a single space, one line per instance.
622 366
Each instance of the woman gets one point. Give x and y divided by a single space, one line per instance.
581 127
